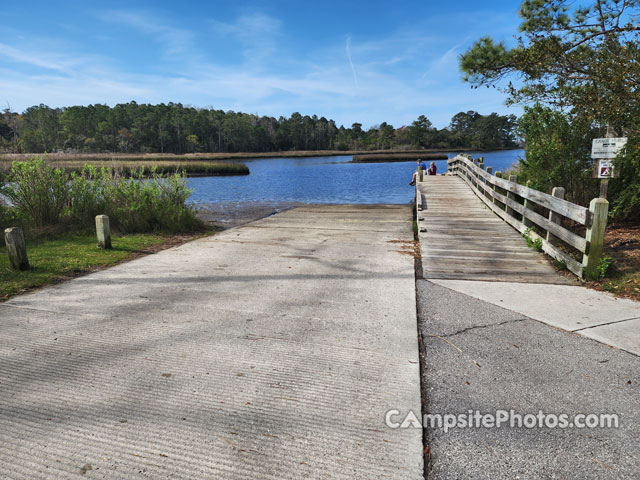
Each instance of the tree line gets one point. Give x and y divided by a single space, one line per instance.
174 128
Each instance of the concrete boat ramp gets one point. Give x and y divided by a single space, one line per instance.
270 351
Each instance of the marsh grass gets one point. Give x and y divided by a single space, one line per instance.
137 200
163 167
397 157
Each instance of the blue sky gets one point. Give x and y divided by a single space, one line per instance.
353 61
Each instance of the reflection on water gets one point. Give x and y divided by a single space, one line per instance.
323 180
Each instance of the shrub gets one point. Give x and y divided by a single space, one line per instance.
137 202
38 192
625 188
87 191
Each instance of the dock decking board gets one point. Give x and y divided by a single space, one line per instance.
465 240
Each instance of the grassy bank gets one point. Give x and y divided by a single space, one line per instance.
162 167
67 255
397 157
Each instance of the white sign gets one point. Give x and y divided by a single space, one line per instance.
605 168
607 147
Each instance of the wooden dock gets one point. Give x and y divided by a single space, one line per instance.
465 240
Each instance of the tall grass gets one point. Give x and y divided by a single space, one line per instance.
139 200
190 168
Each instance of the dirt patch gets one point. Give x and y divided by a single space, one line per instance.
622 250
408 247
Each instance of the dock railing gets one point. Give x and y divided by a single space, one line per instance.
517 204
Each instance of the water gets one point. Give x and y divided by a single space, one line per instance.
324 180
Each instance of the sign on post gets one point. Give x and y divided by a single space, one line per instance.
607 147
605 168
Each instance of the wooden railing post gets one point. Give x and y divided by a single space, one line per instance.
527 204
490 172
511 195
555 217
495 188
420 173
598 208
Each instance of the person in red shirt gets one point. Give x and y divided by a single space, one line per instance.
432 169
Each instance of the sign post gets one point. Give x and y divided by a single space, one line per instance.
604 150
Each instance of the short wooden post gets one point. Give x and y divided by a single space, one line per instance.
420 173
527 204
16 248
598 209
490 172
495 188
553 216
480 178
512 196
103 231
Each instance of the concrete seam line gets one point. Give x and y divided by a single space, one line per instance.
605 324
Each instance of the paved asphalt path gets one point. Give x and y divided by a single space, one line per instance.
478 356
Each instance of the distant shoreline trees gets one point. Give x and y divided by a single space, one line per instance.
174 128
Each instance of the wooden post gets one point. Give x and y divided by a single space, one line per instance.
553 216
604 187
528 223
495 188
16 248
598 208
103 231
481 166
420 173
490 172
511 195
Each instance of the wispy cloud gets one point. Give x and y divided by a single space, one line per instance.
42 59
353 69
257 34
175 40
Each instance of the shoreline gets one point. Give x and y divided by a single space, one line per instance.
225 215
204 157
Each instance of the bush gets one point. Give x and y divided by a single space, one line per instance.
38 192
624 190
134 203
557 153
87 191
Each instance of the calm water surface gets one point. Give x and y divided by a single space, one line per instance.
323 180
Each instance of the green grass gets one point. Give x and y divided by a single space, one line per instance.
67 255
162 167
